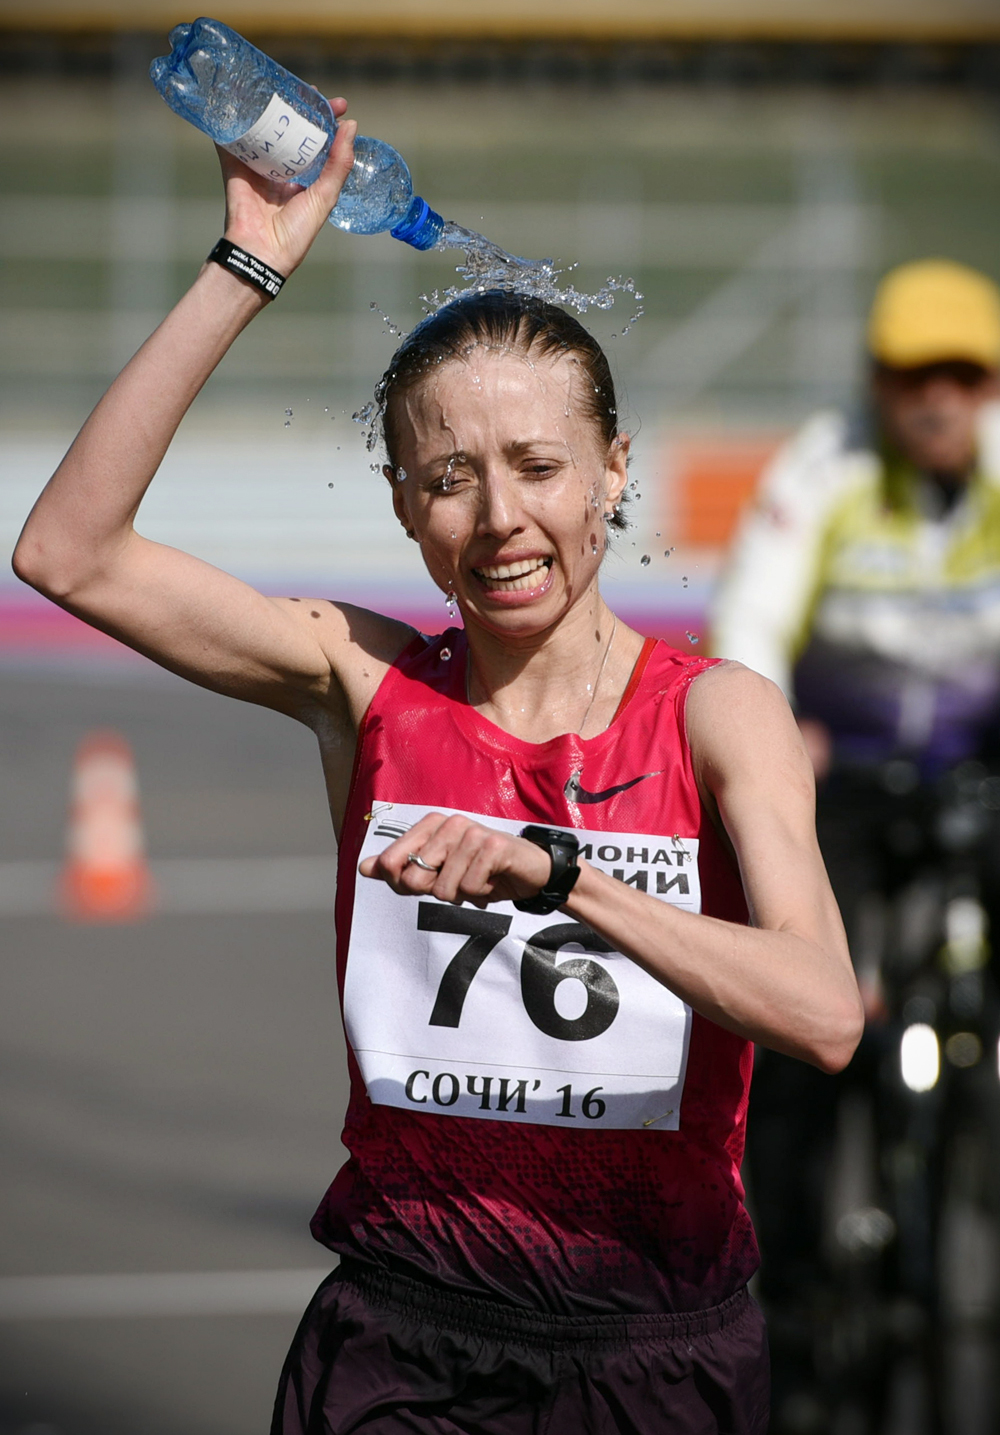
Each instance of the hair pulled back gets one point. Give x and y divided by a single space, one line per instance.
500 319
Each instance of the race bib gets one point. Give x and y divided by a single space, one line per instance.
506 1016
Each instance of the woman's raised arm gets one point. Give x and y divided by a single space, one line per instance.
79 546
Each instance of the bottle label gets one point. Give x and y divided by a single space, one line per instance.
282 144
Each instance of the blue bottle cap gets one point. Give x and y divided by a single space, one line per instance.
422 226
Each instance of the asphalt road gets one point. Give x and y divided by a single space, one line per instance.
173 1088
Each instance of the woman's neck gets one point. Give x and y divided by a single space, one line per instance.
570 679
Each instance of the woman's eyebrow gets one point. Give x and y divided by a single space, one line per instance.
455 457
522 445
430 469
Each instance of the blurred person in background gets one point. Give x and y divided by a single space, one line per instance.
865 582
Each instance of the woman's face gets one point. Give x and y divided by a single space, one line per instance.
505 481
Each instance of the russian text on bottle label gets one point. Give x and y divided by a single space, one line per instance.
282 144
507 1016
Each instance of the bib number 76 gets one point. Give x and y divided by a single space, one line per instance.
541 973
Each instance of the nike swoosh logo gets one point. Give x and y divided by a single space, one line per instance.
574 792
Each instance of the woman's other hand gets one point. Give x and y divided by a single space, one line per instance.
278 222
463 862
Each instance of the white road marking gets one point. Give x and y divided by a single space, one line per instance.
167 1294
192 885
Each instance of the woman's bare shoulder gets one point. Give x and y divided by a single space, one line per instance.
737 718
730 682
358 644
348 624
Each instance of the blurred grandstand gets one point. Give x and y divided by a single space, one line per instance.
753 163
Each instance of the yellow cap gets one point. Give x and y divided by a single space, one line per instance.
934 310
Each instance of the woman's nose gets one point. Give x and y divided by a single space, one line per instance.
499 513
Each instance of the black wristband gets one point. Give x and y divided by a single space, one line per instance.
562 848
254 271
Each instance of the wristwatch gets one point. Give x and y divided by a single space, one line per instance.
562 848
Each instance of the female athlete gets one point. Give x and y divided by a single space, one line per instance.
577 880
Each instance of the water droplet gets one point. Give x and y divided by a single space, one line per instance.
365 417
288 412
326 410
288 423
449 602
392 328
692 637
645 560
594 549
400 475
445 655
329 485
667 552
684 581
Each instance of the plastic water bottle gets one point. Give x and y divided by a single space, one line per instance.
283 128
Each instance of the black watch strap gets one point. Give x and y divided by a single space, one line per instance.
247 266
563 849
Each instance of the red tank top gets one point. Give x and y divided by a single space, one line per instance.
533 1117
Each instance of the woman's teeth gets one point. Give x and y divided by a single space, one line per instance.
512 577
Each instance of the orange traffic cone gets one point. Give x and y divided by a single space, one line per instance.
106 877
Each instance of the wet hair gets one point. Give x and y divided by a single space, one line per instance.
498 319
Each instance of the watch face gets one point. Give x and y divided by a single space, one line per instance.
550 837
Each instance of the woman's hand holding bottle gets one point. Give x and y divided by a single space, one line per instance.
277 222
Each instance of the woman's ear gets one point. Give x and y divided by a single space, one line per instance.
399 504
616 472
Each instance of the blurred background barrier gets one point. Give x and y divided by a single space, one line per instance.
826 19
174 1085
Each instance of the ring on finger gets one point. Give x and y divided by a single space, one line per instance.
419 862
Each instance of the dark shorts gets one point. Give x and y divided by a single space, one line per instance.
384 1355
